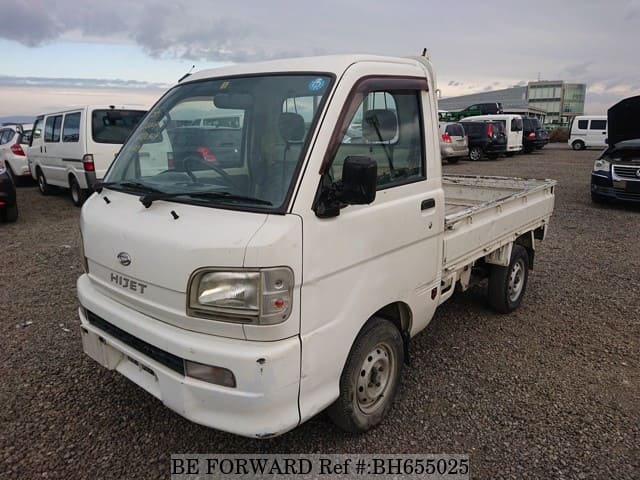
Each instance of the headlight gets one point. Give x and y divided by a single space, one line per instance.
261 297
601 166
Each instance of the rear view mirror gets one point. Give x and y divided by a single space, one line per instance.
359 175
235 101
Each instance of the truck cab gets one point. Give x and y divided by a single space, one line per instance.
272 235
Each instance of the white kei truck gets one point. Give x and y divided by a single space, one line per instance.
272 236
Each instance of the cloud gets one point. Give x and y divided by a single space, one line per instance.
9 81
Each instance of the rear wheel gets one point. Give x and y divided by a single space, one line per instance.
578 145
78 195
43 186
510 154
453 159
508 284
370 378
475 153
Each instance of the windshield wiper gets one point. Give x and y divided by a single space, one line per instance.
149 198
139 186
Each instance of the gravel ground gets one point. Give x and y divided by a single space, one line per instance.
550 391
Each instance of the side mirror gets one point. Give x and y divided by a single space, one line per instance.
359 176
357 187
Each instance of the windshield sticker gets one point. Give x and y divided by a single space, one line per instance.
225 85
317 84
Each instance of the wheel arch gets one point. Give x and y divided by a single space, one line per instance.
399 314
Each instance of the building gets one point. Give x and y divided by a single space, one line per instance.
560 100
554 102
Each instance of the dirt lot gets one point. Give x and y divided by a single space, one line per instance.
550 391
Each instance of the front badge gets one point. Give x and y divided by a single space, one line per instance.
124 258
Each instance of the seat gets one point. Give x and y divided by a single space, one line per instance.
281 155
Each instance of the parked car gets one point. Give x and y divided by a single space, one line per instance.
588 131
8 201
512 129
453 142
616 172
74 148
534 136
14 140
485 139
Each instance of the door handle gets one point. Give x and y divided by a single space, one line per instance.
428 203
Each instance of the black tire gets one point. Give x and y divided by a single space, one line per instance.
475 153
453 159
43 186
578 145
11 213
78 195
12 175
375 359
508 284
509 154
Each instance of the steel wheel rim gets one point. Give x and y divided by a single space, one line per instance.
375 377
516 280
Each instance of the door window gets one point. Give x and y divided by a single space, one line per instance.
387 127
71 129
52 129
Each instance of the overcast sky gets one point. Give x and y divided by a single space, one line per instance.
62 52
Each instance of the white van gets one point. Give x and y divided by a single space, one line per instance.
512 129
74 148
588 131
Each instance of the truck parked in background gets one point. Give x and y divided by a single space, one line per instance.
252 291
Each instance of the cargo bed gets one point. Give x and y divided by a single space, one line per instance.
485 213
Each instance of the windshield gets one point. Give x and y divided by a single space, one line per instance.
228 143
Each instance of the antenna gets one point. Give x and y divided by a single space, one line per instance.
187 74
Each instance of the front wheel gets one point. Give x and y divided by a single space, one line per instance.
578 145
370 378
475 153
11 213
508 284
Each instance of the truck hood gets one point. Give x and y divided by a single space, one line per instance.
144 257
622 121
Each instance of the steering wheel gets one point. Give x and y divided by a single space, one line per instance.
225 176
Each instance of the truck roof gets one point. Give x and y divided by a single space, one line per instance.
335 64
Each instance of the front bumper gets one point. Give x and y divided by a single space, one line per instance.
264 402
603 186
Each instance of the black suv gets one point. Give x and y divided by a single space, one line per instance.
534 136
485 138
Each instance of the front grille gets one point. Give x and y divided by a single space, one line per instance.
165 358
627 171
624 195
